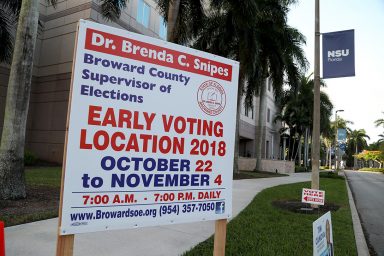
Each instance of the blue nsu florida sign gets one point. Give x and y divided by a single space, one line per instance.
339 54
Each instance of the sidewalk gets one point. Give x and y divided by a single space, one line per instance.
39 238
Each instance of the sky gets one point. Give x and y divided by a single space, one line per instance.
362 96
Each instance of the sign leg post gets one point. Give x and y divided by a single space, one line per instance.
65 245
220 237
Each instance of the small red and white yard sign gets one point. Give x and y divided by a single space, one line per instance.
313 196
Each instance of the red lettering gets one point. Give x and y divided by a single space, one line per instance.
167 123
83 136
207 127
178 146
180 120
113 141
132 143
125 117
94 113
145 138
191 122
149 119
165 144
103 135
109 118
136 124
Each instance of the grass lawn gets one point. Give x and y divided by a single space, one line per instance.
262 229
44 176
256 175
42 202
372 170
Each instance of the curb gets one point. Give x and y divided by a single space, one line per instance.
361 244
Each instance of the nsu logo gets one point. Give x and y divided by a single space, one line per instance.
337 54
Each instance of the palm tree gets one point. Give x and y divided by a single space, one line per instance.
297 105
289 62
184 17
341 123
380 122
328 146
237 30
381 138
230 31
357 139
12 181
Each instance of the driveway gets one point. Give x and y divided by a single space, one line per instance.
368 192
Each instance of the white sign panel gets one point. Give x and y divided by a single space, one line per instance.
323 236
313 196
151 133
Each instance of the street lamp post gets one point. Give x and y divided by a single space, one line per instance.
316 104
336 135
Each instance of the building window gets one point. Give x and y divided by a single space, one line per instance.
267 150
268 115
163 28
143 11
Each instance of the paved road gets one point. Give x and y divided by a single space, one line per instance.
368 192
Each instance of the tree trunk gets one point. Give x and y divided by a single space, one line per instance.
306 144
300 151
237 134
326 156
173 12
330 157
307 133
12 180
355 159
260 135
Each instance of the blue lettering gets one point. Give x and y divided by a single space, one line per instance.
108 163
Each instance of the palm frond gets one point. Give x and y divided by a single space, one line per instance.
111 9
7 21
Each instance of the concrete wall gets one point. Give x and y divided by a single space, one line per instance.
249 129
267 165
281 166
247 164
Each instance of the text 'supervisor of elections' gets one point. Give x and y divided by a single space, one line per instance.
151 133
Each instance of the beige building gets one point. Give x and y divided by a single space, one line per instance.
52 74
249 130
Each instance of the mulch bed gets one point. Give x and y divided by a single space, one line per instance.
297 207
40 199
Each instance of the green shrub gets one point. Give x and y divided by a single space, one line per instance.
29 158
299 168
331 175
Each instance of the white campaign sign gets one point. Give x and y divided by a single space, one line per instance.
151 133
323 236
313 196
